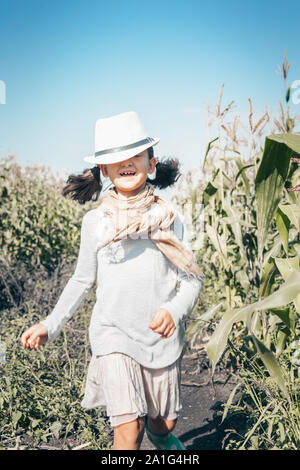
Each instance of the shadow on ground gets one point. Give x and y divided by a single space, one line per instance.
199 424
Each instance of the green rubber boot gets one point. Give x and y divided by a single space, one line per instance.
165 441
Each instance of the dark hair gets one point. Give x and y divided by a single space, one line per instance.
88 185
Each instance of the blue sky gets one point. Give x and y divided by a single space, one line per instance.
67 63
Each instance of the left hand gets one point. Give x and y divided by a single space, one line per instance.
163 323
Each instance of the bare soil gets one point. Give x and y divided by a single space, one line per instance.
199 423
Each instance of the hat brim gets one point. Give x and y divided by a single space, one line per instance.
120 156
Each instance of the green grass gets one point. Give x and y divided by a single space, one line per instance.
41 391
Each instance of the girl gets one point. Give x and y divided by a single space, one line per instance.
137 246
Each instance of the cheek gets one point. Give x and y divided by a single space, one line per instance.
112 172
143 166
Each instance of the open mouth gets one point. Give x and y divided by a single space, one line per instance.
127 173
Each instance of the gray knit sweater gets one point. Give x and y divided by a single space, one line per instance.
134 280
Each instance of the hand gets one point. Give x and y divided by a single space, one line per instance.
35 336
163 323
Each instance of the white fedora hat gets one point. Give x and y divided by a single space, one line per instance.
120 137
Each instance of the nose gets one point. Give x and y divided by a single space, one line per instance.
125 162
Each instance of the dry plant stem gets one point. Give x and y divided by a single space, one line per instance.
219 135
285 69
224 226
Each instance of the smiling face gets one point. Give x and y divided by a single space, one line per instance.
129 176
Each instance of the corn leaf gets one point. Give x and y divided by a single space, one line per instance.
270 179
271 364
286 267
208 192
241 172
283 296
292 211
218 241
229 402
209 146
268 278
290 140
283 314
283 225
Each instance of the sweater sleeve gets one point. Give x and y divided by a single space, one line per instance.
78 285
188 293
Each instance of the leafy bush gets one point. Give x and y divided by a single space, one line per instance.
37 225
40 391
273 420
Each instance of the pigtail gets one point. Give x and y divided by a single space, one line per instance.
84 187
167 172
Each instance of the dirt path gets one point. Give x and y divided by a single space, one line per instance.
199 424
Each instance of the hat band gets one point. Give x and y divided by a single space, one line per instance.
125 147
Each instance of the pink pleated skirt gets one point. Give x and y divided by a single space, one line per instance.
125 389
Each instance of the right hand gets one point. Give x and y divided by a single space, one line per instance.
35 336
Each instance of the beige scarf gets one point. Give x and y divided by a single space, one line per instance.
132 216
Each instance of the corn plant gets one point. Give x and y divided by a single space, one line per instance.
252 240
